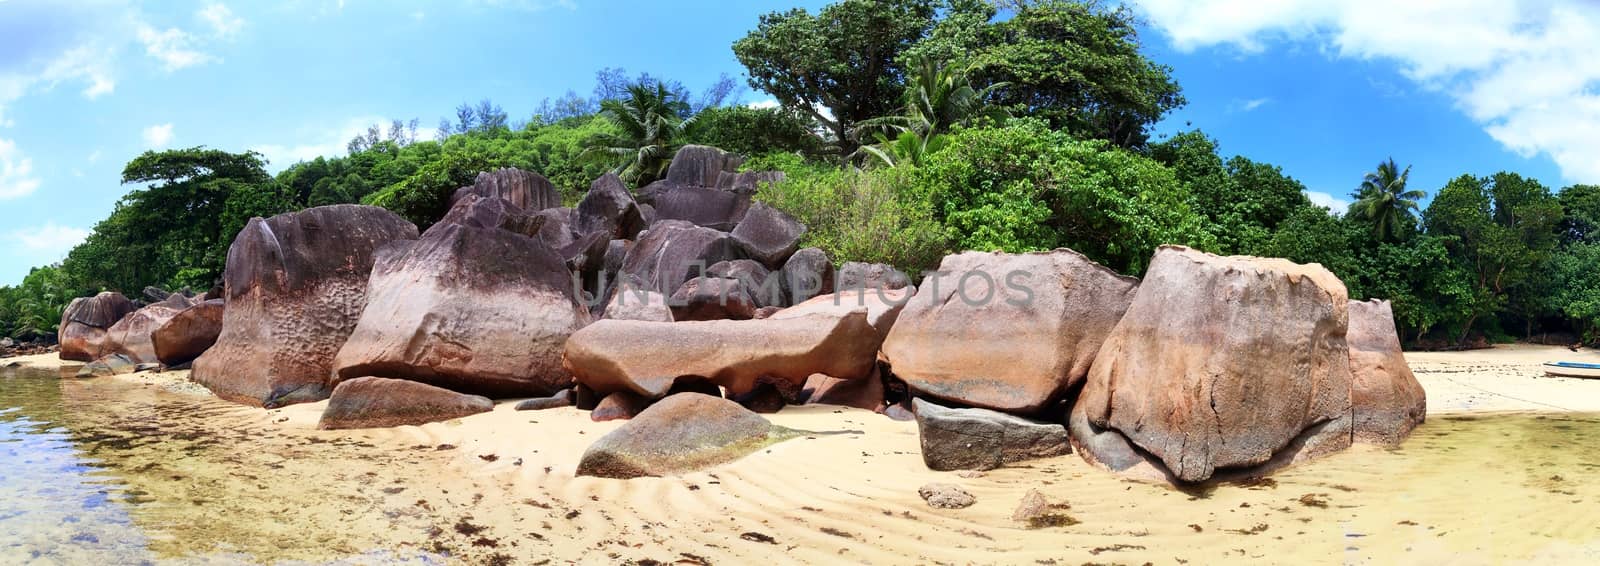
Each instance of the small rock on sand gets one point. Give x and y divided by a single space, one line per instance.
946 496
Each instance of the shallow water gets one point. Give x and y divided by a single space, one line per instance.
107 471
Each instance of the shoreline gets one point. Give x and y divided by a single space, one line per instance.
853 497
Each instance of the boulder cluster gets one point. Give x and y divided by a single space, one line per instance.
689 308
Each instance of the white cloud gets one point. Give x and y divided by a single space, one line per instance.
158 136
762 104
1328 201
1248 105
16 172
93 157
50 240
223 22
1527 71
324 142
173 47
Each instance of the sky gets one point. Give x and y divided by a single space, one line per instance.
1323 89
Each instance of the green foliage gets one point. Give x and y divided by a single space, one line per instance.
1244 201
845 58
1384 202
1077 65
32 309
1026 187
852 214
649 125
753 131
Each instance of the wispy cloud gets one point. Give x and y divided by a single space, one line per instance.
16 172
158 136
1525 70
1248 105
173 47
317 142
222 21
50 242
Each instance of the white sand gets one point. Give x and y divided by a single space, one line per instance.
1457 492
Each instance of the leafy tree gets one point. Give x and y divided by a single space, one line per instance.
1384 202
938 98
1580 208
1077 65
752 131
841 65
1026 187
650 123
1244 200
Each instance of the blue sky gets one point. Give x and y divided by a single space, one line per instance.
1324 91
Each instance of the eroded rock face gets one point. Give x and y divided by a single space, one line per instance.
712 208
82 332
375 402
296 284
1009 332
1226 363
190 333
609 209
639 305
701 165
1388 401
470 308
647 357
525 189
980 439
672 252
133 335
859 275
768 235
883 306
682 433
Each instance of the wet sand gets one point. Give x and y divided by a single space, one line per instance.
1504 470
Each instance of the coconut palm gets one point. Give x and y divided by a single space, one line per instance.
1384 202
650 119
938 98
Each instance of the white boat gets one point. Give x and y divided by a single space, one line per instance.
1571 369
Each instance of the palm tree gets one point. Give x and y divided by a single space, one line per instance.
1384 201
939 97
650 120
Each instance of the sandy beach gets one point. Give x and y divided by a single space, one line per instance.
1493 476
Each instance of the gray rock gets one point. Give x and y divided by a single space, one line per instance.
638 305
859 275
946 496
712 208
701 165
608 208
768 235
682 433
980 439
757 279
562 398
376 402
806 274
107 366
712 298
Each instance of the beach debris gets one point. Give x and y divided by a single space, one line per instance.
377 402
1223 362
1388 400
1037 512
479 305
647 357
562 398
682 433
981 439
82 333
189 333
946 496
295 286
1008 332
132 336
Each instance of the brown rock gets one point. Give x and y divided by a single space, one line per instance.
1009 332
764 313
82 332
757 281
190 333
865 393
621 405
946 496
883 306
712 298
980 439
672 252
806 274
701 165
562 398
375 402
639 304
1224 362
768 235
712 208
132 336
474 309
682 433
1388 401
525 189
646 357
608 209
296 284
